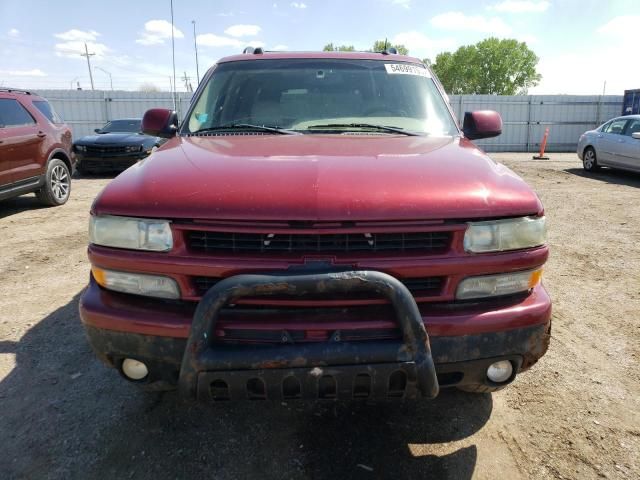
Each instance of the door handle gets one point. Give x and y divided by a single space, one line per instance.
41 134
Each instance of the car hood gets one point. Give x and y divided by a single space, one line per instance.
318 178
113 138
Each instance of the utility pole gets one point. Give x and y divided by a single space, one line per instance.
187 85
195 47
87 54
173 56
173 95
110 77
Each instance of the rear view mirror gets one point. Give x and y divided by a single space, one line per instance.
160 122
636 135
482 124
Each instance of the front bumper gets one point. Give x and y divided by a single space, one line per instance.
418 365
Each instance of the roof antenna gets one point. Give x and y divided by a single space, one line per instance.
385 43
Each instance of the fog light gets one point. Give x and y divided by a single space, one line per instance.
500 371
133 369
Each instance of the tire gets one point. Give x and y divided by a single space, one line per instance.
478 388
590 160
57 184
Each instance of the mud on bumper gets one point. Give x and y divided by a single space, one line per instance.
417 366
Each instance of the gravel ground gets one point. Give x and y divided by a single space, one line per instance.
574 415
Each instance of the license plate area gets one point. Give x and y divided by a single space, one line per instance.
384 381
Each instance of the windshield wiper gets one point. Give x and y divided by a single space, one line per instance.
382 128
246 126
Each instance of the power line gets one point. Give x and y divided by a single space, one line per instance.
87 54
187 84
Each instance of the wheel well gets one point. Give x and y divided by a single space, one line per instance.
588 147
64 158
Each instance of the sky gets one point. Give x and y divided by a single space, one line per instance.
581 43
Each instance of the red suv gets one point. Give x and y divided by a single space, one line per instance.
318 226
35 149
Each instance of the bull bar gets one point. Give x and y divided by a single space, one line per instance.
207 365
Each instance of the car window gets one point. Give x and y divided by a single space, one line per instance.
616 126
604 127
633 127
300 93
12 114
47 110
122 126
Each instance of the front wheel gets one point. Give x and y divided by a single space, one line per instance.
57 184
590 161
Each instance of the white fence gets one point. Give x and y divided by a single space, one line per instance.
85 110
525 117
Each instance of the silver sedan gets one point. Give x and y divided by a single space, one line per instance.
615 144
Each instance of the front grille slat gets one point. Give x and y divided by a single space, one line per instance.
424 287
310 243
105 149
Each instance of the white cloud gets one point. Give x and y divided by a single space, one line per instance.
14 32
473 23
521 6
78 35
280 48
216 41
403 3
212 40
243 30
298 5
421 46
156 32
35 72
623 26
75 48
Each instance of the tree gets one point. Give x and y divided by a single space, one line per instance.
148 87
492 66
378 46
329 47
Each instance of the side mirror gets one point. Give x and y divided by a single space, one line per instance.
636 135
97 130
482 124
160 122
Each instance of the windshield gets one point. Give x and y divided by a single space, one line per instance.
132 126
320 95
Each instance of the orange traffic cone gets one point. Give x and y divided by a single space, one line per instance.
543 145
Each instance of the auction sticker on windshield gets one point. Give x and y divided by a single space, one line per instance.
406 69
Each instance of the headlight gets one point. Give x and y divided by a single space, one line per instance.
137 283
498 285
133 233
133 148
81 148
509 234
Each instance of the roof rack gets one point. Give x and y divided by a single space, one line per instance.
14 90
253 51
